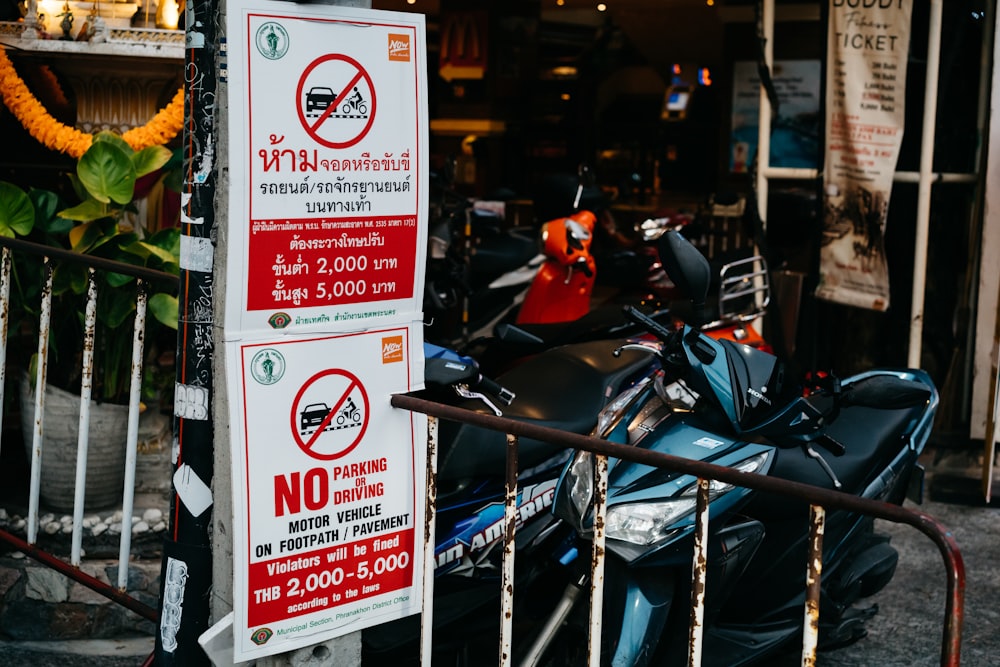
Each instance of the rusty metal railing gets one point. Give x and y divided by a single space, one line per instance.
819 499
50 257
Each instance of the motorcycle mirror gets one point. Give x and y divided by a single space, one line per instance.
510 333
685 266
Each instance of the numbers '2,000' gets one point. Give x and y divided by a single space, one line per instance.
335 577
342 264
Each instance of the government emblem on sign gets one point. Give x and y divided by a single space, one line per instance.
260 637
330 414
279 320
272 40
267 366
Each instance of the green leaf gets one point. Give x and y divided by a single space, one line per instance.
88 211
117 279
165 308
174 169
113 139
70 277
119 305
107 172
150 159
160 251
169 239
91 235
81 192
47 207
146 250
17 213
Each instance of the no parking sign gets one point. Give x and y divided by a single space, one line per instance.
328 144
326 498
327 228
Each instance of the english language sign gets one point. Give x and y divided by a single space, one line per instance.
326 510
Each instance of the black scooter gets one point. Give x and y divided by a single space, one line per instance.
729 404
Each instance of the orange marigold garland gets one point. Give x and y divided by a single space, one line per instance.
33 116
163 127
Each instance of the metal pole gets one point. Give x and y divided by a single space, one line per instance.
814 582
132 439
764 117
186 570
699 575
924 188
427 614
507 575
943 538
35 485
597 559
83 432
5 266
208 95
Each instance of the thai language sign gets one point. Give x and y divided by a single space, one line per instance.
866 76
328 145
326 510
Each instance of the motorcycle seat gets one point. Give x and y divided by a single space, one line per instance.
872 437
562 388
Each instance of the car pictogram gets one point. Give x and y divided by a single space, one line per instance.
319 97
312 416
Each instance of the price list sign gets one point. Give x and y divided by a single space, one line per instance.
328 166
867 54
325 536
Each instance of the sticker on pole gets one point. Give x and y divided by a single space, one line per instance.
330 414
335 99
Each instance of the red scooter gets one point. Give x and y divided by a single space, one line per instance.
562 290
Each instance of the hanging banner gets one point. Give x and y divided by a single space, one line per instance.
328 165
325 503
868 43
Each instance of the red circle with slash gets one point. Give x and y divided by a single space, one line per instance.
330 414
335 100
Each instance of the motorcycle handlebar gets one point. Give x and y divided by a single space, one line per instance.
494 388
651 325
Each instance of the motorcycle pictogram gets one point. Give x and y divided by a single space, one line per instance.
354 103
349 414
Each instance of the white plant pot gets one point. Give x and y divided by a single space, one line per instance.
60 426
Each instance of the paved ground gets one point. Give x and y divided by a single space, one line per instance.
907 630
82 653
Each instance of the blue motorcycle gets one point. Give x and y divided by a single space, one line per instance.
564 387
729 404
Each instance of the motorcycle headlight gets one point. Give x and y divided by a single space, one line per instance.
648 523
577 495
615 410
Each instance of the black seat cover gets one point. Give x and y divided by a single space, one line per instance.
871 438
562 388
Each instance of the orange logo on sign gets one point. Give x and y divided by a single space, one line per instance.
399 48
392 349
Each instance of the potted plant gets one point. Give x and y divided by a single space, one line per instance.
103 224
